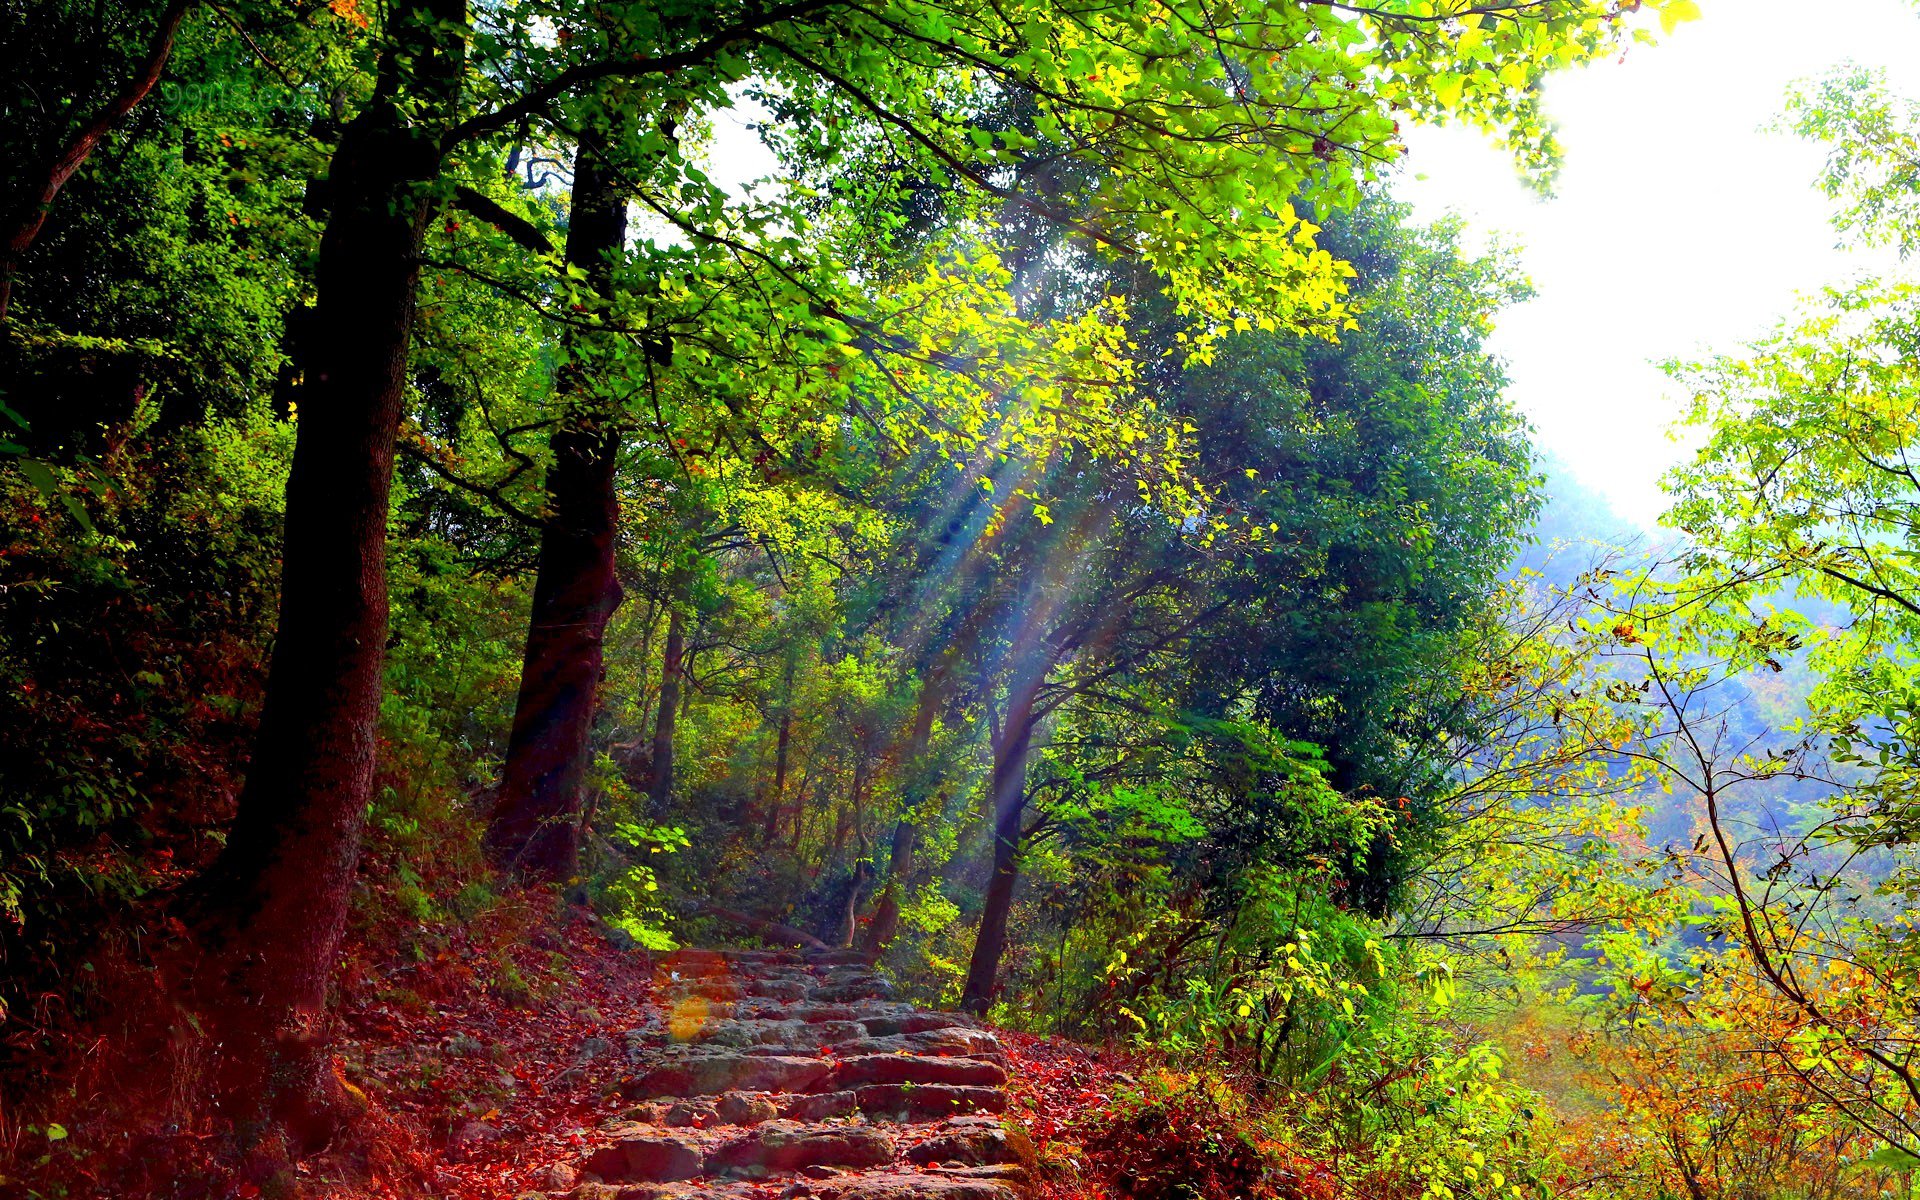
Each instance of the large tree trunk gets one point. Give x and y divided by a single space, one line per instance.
535 829
274 904
660 786
1009 784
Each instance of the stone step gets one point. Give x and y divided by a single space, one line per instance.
906 1103
966 1183
776 1074
782 1147
915 1069
709 1075
956 1039
886 1183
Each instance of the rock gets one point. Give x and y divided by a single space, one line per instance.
705 989
928 1186
975 1141
743 1108
468 1136
736 1033
616 1191
819 1106
912 1022
709 1075
954 1040
840 958
778 989
927 1102
558 1177
785 958
811 1012
688 962
592 1048
638 1154
463 1043
686 1114
790 1145
870 988
817 1172
909 1068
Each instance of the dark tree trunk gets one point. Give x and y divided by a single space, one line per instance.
857 800
660 786
535 829
886 910
273 906
840 823
1009 784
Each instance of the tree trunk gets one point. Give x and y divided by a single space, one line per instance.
273 906
660 785
1009 808
886 910
535 828
857 801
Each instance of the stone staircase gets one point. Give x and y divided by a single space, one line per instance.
769 1073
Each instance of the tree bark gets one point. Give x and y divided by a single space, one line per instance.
1009 782
535 828
273 906
30 214
660 784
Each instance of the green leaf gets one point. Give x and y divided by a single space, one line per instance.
41 477
56 1132
78 512
1892 1158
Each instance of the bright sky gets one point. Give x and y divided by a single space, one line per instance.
1677 225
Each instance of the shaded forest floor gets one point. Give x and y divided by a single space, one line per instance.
493 1057
487 1092
493 1060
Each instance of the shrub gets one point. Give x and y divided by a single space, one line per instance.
1191 1136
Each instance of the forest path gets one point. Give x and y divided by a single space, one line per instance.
762 1074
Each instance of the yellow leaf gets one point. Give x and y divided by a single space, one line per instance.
1676 11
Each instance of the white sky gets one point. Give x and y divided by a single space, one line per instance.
1677 226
